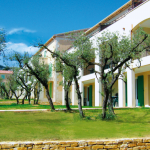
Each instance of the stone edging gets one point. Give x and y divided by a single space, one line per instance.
122 144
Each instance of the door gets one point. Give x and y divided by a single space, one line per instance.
90 95
140 90
136 92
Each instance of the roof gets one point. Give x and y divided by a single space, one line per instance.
6 72
60 35
115 13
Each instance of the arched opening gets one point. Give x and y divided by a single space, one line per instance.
145 24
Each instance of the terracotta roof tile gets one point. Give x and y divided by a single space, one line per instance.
6 72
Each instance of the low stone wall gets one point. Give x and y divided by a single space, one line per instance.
126 144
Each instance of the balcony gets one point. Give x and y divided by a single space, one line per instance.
146 53
88 70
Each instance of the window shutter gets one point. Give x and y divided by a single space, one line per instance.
140 89
44 53
3 76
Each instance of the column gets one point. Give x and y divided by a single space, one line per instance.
97 68
121 92
80 72
55 87
63 94
131 87
98 84
81 86
73 93
98 90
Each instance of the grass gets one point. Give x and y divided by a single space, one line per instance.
68 126
11 104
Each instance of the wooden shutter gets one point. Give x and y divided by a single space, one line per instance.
140 90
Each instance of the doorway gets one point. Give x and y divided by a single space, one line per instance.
88 95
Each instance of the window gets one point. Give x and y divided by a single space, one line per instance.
50 69
44 53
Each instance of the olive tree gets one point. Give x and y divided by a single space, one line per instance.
73 62
117 51
41 72
14 86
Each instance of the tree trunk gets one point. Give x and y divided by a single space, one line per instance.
16 97
49 98
11 96
23 101
66 95
110 104
34 95
29 99
24 98
67 100
105 103
38 95
79 97
17 100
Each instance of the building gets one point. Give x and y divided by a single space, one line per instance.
61 42
4 74
136 92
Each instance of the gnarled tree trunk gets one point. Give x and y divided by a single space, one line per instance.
66 96
110 103
105 103
49 98
79 97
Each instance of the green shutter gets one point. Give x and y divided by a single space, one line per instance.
140 90
50 69
90 95
126 93
51 89
44 53
3 76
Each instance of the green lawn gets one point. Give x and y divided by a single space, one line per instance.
27 106
6 104
68 126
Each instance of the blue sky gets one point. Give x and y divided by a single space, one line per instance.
27 22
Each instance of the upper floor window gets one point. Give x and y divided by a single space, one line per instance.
45 53
50 69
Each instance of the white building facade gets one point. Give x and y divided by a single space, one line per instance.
136 91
